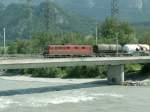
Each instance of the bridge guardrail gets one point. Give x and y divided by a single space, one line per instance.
20 56
39 56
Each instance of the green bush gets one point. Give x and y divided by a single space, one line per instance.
132 68
65 72
86 72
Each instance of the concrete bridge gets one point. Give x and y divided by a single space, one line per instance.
115 69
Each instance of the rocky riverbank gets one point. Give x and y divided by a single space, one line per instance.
137 83
51 80
72 81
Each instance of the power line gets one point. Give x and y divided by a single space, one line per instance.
47 14
115 13
29 16
114 8
4 41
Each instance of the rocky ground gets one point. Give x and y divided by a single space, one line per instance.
72 81
145 82
50 80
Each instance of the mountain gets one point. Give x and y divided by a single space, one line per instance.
15 17
7 2
130 10
71 15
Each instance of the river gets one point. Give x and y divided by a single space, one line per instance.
34 96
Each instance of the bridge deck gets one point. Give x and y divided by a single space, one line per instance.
60 62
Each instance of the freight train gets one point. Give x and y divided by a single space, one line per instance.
100 50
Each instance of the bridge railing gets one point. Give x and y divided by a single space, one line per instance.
38 56
19 56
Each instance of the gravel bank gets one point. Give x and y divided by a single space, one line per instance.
137 83
50 80
71 81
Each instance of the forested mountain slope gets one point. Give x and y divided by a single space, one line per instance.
20 21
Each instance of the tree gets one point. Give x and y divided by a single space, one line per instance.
112 29
126 33
145 38
109 28
12 49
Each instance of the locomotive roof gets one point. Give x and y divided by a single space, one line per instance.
69 45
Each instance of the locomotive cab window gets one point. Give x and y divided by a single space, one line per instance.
83 47
68 47
76 47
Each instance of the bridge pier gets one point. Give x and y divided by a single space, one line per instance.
116 74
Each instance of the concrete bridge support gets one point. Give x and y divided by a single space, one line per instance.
116 74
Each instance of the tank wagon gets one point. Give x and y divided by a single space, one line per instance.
100 50
107 49
136 49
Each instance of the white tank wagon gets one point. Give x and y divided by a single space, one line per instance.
144 47
136 49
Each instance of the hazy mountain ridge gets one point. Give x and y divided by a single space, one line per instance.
15 18
130 10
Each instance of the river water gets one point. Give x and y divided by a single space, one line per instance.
24 96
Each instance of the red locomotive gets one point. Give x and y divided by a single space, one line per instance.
68 50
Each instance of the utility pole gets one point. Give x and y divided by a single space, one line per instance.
4 41
96 42
115 14
114 8
117 44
